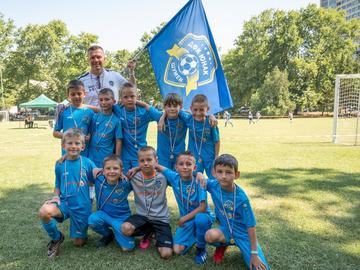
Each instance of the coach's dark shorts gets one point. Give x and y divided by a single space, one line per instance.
145 226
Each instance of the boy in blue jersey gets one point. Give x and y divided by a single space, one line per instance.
233 210
106 133
204 139
72 199
195 215
112 204
77 115
134 121
171 138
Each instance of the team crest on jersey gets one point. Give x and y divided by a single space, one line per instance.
191 63
158 184
228 205
111 83
188 190
81 183
119 190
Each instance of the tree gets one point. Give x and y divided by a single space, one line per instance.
273 97
312 45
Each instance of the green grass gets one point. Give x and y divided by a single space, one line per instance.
305 192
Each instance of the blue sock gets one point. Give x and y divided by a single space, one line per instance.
51 229
202 224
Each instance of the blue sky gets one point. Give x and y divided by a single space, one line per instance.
121 23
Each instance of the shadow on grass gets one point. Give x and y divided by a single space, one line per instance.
316 220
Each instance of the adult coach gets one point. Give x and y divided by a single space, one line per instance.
98 77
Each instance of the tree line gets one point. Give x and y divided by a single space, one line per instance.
281 61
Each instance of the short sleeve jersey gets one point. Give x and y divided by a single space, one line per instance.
172 139
73 117
150 196
189 195
112 199
202 137
72 178
223 200
134 128
93 84
105 130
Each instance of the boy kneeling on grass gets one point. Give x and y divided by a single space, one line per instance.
72 199
233 210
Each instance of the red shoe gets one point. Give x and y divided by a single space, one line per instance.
219 254
145 243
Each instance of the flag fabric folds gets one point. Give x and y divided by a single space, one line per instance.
185 59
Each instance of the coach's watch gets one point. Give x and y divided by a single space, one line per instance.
254 252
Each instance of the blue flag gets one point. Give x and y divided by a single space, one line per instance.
185 59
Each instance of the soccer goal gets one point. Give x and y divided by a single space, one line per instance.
346 126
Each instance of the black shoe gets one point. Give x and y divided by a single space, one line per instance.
105 240
54 246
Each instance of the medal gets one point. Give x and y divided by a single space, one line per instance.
171 156
189 194
231 228
135 145
199 148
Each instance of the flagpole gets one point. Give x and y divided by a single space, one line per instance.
136 57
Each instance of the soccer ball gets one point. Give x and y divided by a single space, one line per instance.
188 64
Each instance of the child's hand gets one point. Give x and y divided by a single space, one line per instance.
200 178
161 123
213 121
181 222
62 159
141 103
124 177
132 172
87 138
256 262
131 65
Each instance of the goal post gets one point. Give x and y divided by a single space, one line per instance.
346 122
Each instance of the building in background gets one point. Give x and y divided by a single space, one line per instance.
352 7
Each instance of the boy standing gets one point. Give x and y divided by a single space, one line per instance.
195 215
233 210
77 115
106 133
152 213
112 204
134 121
204 140
72 199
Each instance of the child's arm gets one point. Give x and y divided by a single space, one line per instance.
130 174
57 134
94 108
143 104
118 145
255 260
212 120
217 149
200 209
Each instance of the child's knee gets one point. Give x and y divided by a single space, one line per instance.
178 249
127 228
165 252
93 220
78 242
45 212
211 236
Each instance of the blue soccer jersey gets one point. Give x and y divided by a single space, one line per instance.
73 117
239 218
134 127
171 141
188 194
112 199
72 179
105 130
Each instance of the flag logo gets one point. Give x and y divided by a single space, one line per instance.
191 63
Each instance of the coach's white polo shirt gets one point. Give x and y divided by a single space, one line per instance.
93 84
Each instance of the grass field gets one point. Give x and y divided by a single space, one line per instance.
305 192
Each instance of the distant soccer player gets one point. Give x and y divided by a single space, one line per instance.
227 117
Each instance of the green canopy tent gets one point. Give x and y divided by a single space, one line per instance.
41 101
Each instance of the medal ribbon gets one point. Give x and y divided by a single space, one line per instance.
198 149
172 143
108 197
153 193
127 125
189 194
66 179
231 228
106 127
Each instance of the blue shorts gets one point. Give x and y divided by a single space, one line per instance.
78 220
243 243
101 217
186 235
205 165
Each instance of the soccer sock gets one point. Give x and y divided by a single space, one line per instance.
202 224
52 230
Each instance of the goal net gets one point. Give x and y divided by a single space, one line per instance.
4 116
346 123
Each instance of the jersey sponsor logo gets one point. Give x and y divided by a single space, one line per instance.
191 63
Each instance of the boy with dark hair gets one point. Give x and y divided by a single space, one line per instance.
76 115
106 132
195 215
152 213
234 212
72 199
